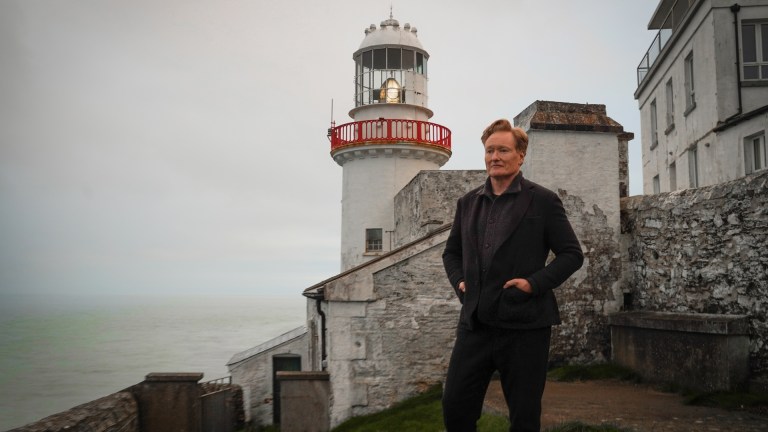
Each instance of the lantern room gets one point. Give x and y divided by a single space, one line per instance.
391 66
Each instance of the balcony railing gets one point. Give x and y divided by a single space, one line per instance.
676 10
659 42
384 131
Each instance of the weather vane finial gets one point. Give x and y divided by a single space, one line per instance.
390 11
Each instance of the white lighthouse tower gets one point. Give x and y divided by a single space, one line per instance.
389 140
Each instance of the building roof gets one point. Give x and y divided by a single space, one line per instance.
549 115
390 33
258 349
317 291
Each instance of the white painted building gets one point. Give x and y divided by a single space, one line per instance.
389 141
703 93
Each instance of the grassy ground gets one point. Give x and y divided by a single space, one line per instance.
423 413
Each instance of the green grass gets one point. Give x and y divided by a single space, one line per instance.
423 413
420 413
599 371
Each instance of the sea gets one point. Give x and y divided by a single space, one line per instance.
57 352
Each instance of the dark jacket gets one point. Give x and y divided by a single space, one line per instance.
537 225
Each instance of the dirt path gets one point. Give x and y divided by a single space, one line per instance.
638 407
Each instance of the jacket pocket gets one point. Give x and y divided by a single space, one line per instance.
517 306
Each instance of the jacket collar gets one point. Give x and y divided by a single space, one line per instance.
515 187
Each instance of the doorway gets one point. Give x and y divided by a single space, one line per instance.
280 363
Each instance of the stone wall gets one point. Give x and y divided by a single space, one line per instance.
117 412
585 299
162 402
429 201
702 250
410 331
592 293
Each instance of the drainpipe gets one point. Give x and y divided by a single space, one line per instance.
323 363
735 9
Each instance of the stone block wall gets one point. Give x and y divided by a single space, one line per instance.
410 331
163 402
585 299
117 412
429 201
702 250
387 350
593 292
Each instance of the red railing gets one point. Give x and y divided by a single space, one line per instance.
390 131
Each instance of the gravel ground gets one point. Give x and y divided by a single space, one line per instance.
638 407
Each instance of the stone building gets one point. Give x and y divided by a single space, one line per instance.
703 93
382 329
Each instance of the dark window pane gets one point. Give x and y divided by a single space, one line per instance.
420 63
368 59
764 38
408 59
393 58
750 72
765 72
358 67
373 239
380 58
749 43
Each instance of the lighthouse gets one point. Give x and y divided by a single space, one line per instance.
389 140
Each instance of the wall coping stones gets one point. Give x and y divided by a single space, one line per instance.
173 376
565 116
683 322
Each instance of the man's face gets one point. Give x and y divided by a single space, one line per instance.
502 160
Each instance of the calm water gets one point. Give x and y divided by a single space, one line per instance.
56 353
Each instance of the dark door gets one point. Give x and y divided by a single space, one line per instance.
281 363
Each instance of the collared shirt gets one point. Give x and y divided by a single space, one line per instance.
493 215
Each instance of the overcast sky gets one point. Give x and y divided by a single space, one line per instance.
179 147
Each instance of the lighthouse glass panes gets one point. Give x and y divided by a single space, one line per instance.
379 71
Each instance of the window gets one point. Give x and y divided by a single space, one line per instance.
654 126
374 240
670 107
407 59
690 90
754 51
656 184
672 176
754 153
693 167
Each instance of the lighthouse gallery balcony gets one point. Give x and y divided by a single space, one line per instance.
390 131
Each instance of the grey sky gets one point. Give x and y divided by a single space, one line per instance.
179 146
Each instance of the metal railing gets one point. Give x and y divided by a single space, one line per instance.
659 42
389 131
667 28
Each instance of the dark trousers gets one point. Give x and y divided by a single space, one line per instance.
521 358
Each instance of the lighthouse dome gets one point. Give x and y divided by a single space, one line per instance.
390 33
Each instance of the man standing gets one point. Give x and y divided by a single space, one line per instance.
495 258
